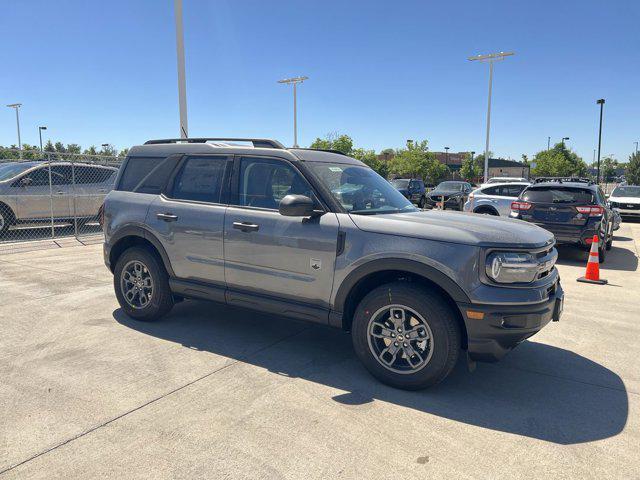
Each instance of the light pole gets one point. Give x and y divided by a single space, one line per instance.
548 143
295 81
490 58
601 103
446 156
40 134
182 85
17 106
563 139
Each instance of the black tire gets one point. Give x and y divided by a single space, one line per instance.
6 218
609 243
602 253
421 202
445 342
161 299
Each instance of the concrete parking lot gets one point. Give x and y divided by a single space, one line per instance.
213 392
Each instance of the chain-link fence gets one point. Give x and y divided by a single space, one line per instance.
49 196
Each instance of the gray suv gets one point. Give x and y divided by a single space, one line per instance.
319 236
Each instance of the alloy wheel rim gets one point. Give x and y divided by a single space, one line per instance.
136 284
400 339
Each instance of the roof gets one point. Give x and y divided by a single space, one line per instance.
588 186
157 148
501 163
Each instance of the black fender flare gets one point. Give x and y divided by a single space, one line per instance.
144 233
398 264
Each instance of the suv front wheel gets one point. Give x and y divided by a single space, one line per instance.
406 335
142 285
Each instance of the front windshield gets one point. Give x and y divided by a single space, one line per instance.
400 183
449 187
10 170
627 191
360 190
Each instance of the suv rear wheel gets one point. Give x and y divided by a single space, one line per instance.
406 336
142 285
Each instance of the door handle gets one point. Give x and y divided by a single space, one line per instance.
61 192
246 226
167 217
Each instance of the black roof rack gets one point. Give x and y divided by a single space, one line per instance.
330 150
257 142
564 179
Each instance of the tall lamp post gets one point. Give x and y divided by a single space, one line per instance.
490 58
17 106
601 103
446 156
40 134
548 143
182 85
295 81
563 139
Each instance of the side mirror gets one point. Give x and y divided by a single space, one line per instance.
25 181
297 206
607 195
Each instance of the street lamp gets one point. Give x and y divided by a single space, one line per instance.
446 155
563 139
295 81
601 103
40 134
490 58
182 85
17 106
548 143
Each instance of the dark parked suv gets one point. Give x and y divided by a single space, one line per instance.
319 236
412 188
573 209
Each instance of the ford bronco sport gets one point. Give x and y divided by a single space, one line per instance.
319 236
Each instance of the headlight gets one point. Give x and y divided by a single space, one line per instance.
511 267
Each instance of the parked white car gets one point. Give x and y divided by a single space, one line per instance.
626 200
494 198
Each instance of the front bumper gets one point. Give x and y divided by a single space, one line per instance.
627 212
503 327
451 202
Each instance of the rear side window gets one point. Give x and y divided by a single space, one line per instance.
511 190
135 170
200 179
558 195
92 174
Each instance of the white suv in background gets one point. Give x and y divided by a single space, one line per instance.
494 198
626 200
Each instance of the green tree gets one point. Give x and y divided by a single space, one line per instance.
60 148
333 141
558 161
608 166
633 169
74 148
469 169
416 161
371 159
91 150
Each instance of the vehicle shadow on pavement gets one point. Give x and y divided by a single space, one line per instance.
537 391
617 258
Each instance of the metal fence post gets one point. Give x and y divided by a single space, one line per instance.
73 187
53 230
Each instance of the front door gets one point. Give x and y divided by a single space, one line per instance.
269 254
189 219
37 200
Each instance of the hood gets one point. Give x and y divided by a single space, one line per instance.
457 227
445 193
635 200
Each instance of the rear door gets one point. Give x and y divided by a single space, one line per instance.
189 218
270 254
505 195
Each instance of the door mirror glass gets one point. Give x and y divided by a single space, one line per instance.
296 206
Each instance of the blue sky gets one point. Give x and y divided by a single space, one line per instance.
383 72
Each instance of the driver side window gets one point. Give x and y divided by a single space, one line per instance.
264 182
37 178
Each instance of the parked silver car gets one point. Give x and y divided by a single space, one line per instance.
36 191
495 198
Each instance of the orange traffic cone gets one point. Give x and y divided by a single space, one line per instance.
593 265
